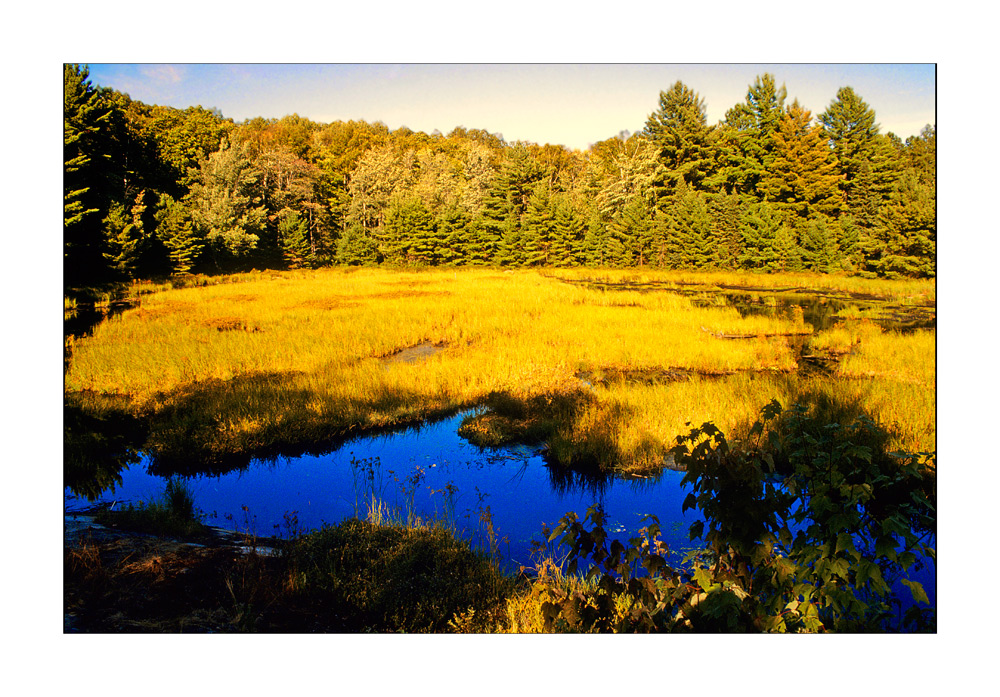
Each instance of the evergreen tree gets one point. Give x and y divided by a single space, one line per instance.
866 160
356 247
760 226
410 233
849 242
907 231
538 229
689 241
726 210
456 234
749 137
489 225
85 159
568 238
678 129
293 237
126 240
595 240
178 234
802 179
819 250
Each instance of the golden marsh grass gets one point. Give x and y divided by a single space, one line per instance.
283 359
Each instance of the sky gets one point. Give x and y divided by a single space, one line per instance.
568 104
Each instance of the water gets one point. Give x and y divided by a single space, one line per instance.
522 493
515 485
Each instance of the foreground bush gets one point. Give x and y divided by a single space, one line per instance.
806 528
393 578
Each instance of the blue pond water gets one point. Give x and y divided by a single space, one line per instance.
516 485
520 491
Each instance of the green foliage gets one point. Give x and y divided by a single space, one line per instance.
178 234
806 523
760 227
356 247
749 136
226 204
293 237
396 578
630 200
678 129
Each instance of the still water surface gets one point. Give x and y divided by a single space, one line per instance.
521 492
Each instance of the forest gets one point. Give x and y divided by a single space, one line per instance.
152 191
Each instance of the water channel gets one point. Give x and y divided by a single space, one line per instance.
434 474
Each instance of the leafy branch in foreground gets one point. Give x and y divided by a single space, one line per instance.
806 524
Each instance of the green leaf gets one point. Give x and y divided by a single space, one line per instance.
918 591
703 578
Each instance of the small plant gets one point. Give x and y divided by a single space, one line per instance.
174 514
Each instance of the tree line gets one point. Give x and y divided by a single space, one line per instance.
152 190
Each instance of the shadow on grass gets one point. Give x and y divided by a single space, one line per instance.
219 426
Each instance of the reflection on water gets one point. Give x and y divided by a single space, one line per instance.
429 473
516 486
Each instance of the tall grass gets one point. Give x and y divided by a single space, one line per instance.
284 359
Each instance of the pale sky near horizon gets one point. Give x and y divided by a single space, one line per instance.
568 104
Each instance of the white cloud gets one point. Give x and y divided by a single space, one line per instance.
164 74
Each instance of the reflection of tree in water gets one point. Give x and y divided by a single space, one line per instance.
96 450
593 482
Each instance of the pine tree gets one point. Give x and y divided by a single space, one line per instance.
126 240
747 137
595 240
568 235
356 247
690 240
410 233
538 229
802 179
726 210
907 231
760 226
293 236
819 249
679 131
456 232
489 225
85 113
866 160
178 234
